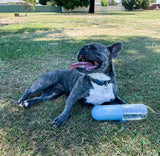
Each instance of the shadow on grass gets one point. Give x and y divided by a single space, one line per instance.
23 30
23 45
31 131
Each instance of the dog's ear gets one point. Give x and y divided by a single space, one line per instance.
115 49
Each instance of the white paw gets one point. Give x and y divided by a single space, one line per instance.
26 104
21 104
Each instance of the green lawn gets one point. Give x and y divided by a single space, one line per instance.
41 42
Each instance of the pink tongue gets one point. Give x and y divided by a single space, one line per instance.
86 65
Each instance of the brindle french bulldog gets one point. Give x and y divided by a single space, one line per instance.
91 80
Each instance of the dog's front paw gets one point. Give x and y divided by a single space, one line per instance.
59 120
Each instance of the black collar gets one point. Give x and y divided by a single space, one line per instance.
100 82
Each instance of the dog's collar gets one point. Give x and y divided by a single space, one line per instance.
100 82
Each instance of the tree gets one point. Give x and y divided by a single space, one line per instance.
91 7
104 2
43 2
146 4
135 4
29 6
72 4
128 4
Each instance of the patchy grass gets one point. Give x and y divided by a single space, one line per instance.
41 42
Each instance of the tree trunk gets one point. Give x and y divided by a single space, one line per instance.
91 7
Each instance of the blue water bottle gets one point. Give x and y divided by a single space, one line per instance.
119 112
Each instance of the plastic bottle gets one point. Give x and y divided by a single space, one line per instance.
119 112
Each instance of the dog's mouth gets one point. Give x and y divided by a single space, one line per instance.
85 64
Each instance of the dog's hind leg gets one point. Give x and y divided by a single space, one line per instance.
45 81
47 94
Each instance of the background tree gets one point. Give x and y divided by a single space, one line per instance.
91 7
128 4
104 2
146 4
29 6
71 4
43 2
135 4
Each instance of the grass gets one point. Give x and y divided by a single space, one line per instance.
41 42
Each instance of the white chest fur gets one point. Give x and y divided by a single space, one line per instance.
100 94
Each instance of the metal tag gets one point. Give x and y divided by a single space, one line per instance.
106 84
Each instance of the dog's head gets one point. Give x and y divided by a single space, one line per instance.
96 58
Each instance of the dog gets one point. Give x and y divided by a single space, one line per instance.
91 81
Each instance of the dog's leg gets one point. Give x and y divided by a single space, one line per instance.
47 94
45 81
63 117
30 102
75 95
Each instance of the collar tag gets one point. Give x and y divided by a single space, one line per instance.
106 83
101 83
